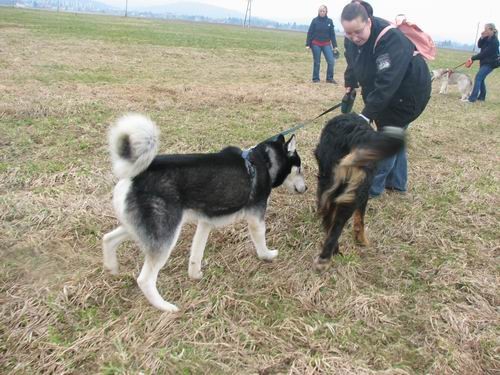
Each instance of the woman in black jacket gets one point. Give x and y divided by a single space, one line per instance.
395 83
321 38
488 43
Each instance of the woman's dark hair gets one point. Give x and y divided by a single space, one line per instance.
354 10
367 6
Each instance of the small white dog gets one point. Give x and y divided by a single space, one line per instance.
449 77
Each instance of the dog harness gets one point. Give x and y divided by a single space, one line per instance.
245 154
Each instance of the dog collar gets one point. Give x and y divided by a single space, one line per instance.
245 154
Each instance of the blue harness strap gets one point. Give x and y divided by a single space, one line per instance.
245 154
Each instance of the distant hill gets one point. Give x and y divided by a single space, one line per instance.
65 5
194 11
191 9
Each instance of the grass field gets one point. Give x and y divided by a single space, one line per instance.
422 299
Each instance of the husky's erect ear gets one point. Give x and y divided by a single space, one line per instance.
280 138
290 145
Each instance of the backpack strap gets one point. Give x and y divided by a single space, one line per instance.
381 34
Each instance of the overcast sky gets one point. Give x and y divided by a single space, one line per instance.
443 19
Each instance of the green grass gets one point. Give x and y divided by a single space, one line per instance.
138 31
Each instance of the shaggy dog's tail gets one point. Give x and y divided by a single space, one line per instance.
133 144
349 173
379 146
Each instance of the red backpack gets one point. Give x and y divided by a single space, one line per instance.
422 41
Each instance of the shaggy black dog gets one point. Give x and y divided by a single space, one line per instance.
347 153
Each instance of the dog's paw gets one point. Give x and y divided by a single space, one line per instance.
194 270
361 240
112 267
268 255
168 308
195 275
320 264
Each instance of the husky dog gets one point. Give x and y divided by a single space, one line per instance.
449 77
157 194
347 153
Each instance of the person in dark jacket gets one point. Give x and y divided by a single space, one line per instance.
488 44
321 38
395 83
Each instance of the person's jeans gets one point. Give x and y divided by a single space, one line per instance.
328 53
391 173
479 90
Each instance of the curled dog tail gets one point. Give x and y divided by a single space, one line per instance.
350 174
133 144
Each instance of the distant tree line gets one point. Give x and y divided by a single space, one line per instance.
256 22
454 45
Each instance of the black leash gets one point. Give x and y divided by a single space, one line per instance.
300 126
458 66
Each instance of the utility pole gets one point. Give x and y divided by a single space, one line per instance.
248 14
475 40
126 7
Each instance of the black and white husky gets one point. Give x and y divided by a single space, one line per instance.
156 194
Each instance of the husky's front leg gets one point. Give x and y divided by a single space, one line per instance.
110 242
444 86
257 229
197 250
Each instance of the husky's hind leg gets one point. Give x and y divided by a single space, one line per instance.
155 260
465 88
157 234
